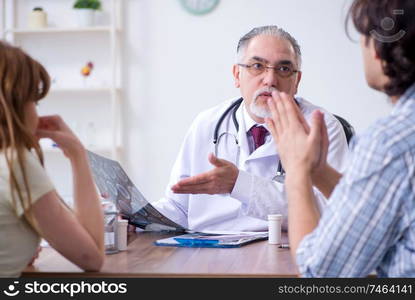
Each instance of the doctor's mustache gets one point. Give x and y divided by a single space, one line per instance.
267 89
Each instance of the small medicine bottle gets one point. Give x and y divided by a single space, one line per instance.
111 228
274 229
122 234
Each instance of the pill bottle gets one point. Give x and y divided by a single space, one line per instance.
274 229
122 235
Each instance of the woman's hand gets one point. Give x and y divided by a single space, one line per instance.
55 128
300 147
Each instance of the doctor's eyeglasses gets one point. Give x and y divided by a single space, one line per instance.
258 68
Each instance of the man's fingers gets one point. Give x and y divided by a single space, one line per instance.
281 114
204 177
271 127
292 112
319 134
190 185
324 139
304 123
317 120
272 105
194 180
301 118
205 188
216 161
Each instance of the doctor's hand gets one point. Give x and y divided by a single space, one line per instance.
219 180
301 148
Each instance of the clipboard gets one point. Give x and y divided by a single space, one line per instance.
212 240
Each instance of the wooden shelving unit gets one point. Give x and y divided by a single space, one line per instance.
14 32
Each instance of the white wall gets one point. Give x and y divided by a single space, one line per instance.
177 64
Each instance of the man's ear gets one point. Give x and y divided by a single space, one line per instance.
236 74
299 75
373 49
374 53
369 42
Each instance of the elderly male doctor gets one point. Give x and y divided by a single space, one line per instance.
233 184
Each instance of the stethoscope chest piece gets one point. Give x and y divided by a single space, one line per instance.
279 177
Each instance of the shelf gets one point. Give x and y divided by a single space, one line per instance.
62 30
108 34
95 150
83 90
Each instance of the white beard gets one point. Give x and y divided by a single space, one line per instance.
261 111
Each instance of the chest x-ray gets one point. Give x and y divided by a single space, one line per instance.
112 181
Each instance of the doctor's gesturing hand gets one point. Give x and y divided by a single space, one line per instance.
219 180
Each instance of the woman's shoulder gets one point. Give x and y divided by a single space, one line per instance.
31 172
10 160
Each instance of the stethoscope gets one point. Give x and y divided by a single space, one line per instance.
280 174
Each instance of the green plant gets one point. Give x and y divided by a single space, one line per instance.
91 4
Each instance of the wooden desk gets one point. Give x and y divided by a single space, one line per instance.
143 259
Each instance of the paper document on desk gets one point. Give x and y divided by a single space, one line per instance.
213 240
112 180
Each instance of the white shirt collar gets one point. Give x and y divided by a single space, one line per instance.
249 122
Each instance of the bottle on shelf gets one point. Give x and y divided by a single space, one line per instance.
37 18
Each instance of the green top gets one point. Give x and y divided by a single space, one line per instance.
90 4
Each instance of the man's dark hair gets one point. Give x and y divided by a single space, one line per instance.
391 24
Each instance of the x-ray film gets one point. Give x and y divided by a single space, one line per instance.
112 181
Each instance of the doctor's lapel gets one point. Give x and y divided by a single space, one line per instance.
242 137
268 149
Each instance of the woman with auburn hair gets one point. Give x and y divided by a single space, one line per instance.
30 207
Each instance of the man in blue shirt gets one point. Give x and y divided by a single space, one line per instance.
369 223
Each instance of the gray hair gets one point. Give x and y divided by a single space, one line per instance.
268 30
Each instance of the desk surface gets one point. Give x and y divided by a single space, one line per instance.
143 259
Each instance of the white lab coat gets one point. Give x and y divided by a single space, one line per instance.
255 194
